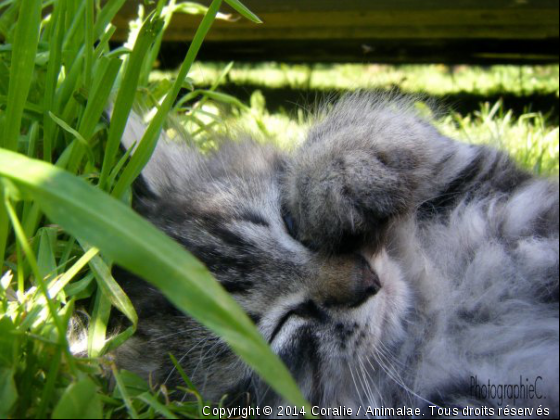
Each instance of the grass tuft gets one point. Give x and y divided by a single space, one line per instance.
65 219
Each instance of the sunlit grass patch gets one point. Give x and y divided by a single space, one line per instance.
529 139
435 79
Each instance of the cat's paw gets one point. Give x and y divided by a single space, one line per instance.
366 163
340 199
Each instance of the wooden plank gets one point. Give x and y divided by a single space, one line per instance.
368 22
529 24
290 6
378 5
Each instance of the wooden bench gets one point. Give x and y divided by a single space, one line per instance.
388 31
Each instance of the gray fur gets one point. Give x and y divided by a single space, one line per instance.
386 263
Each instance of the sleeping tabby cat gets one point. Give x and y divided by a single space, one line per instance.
386 264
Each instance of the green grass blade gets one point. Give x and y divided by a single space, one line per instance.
183 375
81 286
156 405
127 92
53 70
100 93
103 43
4 229
98 325
24 243
149 139
79 401
56 286
89 17
66 127
244 11
49 389
32 138
6 17
70 84
95 106
139 247
106 15
46 259
32 109
8 390
121 388
21 71
111 288
74 36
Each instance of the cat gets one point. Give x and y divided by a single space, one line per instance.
386 264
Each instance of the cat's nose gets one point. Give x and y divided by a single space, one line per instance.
348 282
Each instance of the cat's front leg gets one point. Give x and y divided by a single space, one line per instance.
367 163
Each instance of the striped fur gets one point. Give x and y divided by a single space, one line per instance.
385 263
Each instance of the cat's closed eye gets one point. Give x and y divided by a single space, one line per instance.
290 224
292 229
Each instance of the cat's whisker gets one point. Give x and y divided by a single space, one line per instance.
177 333
372 400
202 356
381 360
404 387
265 394
372 381
172 371
387 352
258 398
360 396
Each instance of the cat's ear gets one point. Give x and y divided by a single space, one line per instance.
172 163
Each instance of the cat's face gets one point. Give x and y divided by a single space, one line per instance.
326 315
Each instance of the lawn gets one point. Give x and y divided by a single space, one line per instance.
511 107
65 214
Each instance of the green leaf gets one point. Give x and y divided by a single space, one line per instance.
50 385
8 391
157 406
79 401
21 71
89 38
98 325
127 92
46 259
81 286
4 228
97 101
9 343
53 71
59 284
111 288
135 244
122 391
66 127
244 11
147 145
133 383
106 15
